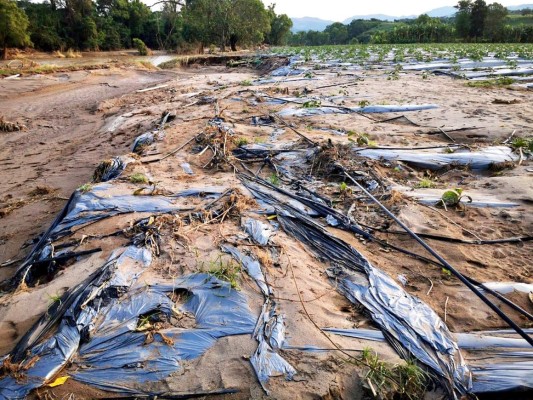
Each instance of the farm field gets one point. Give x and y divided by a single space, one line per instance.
216 230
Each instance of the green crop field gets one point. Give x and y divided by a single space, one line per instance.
376 53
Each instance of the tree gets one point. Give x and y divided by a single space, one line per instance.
477 18
280 27
338 33
494 22
463 18
13 26
249 23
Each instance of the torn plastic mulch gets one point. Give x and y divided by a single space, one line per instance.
430 159
467 341
99 203
110 169
40 358
258 231
308 112
410 325
99 330
270 328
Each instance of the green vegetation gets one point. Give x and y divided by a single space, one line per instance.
488 83
185 27
241 141
13 27
312 104
372 54
138 178
475 21
425 183
85 188
225 271
388 381
523 144
274 179
141 47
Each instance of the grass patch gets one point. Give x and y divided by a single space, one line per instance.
425 184
239 142
85 188
312 104
398 381
225 271
490 83
246 83
274 179
523 143
138 178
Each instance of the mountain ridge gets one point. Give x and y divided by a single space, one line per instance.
318 24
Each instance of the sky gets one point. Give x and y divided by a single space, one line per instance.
339 10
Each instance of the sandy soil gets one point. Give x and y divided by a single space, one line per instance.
75 120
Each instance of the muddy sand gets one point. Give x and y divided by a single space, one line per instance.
76 120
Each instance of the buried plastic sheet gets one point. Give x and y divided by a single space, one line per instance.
307 112
146 139
478 160
75 313
97 204
463 64
434 196
506 376
270 328
117 358
100 330
467 341
509 287
411 326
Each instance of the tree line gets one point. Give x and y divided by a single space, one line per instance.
475 21
180 25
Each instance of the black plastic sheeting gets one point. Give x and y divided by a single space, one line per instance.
111 169
409 325
477 160
98 330
270 328
97 204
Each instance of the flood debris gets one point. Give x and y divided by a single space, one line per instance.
7 126
110 169
100 331
238 178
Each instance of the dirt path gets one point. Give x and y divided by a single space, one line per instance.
61 146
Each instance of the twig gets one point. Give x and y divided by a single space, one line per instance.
179 148
509 138
446 308
431 288
448 136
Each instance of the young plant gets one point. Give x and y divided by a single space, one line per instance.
452 198
138 178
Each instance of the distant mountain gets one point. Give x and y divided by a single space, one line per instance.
520 7
309 24
381 17
317 24
442 12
